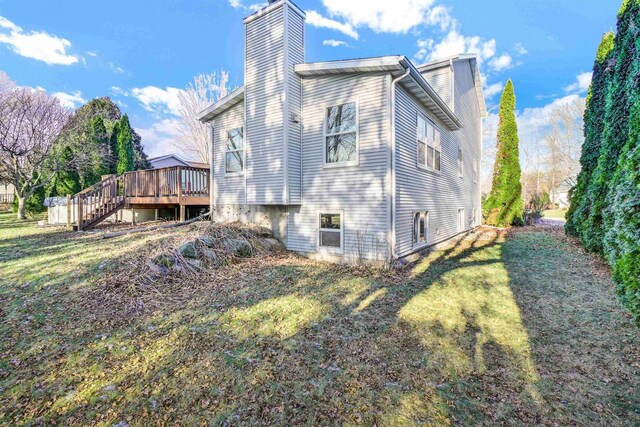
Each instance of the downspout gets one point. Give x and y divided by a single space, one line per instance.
392 153
211 171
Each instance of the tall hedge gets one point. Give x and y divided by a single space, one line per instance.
593 129
616 125
504 205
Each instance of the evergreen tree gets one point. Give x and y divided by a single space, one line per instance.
98 145
616 124
593 128
113 148
67 181
504 206
126 156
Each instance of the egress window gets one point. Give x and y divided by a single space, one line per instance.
420 228
234 151
341 134
429 145
330 234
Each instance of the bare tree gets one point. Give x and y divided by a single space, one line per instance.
30 122
198 95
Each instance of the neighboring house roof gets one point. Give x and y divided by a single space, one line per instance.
221 105
567 184
180 160
475 71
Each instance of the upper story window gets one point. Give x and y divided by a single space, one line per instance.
341 134
460 163
429 145
234 151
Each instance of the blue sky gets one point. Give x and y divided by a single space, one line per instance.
141 53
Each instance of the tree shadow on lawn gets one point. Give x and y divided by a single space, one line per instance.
290 341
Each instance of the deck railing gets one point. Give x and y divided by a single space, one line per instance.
98 201
177 181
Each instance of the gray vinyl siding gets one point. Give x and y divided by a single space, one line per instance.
295 56
359 191
264 96
227 189
440 81
441 194
274 43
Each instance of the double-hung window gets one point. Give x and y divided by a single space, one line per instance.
331 231
460 162
429 145
234 151
341 134
420 228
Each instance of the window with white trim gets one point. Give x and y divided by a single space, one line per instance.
234 151
330 234
429 144
474 218
420 228
460 162
341 134
461 225
475 170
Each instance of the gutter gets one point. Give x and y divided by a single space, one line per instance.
392 175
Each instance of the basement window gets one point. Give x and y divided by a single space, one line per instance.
461 224
420 228
234 151
341 135
429 145
330 235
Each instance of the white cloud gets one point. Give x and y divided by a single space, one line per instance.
455 43
492 90
581 85
36 44
158 100
520 49
70 100
90 53
502 62
398 16
237 4
316 20
334 43
161 137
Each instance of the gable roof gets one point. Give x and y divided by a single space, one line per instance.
397 65
221 105
180 160
475 71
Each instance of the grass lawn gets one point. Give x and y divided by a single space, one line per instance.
555 214
515 329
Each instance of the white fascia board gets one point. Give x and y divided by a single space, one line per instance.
221 105
385 63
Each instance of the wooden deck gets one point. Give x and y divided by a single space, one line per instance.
177 186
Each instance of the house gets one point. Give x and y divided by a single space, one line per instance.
373 158
560 194
7 193
171 160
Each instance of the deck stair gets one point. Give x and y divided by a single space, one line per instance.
99 202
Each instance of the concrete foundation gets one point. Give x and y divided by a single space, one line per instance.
271 217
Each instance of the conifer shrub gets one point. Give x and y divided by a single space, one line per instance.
504 205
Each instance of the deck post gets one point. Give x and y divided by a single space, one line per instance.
156 214
181 213
133 215
69 213
80 213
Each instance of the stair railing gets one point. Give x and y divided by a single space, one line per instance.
101 199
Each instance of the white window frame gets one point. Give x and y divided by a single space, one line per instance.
226 150
326 135
437 146
460 162
461 219
415 237
330 249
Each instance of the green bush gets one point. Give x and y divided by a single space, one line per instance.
504 205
